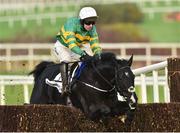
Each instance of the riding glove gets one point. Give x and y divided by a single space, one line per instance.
97 56
85 57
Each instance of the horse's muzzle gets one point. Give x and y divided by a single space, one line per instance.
133 101
131 89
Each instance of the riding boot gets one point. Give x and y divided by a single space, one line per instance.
64 76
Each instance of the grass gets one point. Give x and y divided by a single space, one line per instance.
161 30
23 72
150 98
14 95
38 11
157 29
162 4
32 29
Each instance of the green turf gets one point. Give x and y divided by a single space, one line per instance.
70 8
161 4
161 30
14 95
32 29
157 29
150 98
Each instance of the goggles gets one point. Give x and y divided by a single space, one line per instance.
89 22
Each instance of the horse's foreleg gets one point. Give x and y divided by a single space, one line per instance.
132 104
120 108
130 116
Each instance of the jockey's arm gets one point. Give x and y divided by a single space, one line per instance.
67 37
94 43
73 46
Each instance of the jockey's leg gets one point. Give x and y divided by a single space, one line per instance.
63 54
64 76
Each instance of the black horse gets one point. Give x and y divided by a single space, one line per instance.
95 90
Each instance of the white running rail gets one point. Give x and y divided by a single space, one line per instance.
157 80
29 6
123 50
143 81
38 17
12 81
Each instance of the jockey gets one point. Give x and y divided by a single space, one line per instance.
72 40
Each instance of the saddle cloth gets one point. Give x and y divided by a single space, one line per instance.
57 81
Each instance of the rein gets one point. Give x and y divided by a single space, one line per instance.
131 88
101 75
96 88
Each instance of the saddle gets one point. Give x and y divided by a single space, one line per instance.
73 73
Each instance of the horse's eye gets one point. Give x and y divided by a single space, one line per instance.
120 75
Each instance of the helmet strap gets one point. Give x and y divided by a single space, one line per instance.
82 24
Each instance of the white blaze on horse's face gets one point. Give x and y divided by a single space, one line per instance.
127 74
127 80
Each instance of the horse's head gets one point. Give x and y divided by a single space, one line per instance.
96 86
125 81
99 83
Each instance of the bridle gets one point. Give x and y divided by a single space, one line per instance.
113 87
116 78
131 100
121 90
96 88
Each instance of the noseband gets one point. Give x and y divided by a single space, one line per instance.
114 87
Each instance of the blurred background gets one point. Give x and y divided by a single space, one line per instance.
120 20
148 29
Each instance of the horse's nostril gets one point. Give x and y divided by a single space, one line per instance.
131 89
132 105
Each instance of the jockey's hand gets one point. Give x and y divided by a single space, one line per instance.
97 56
85 57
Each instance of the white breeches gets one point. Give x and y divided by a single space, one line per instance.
64 54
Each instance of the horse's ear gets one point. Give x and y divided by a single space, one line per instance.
130 60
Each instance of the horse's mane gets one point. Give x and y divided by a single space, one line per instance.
106 58
111 59
122 62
